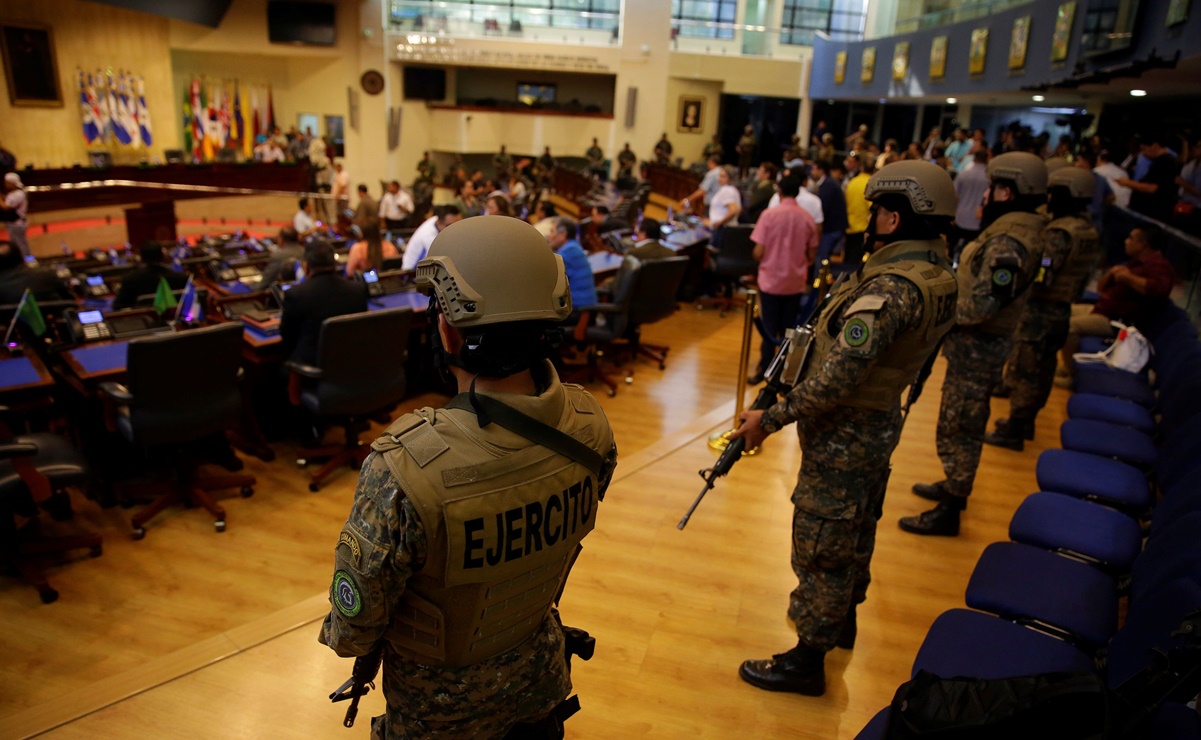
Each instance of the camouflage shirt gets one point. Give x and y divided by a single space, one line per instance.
1041 318
814 402
995 277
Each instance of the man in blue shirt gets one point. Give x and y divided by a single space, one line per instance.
957 152
563 241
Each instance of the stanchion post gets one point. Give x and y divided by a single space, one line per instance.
719 440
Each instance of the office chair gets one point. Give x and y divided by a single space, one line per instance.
182 390
644 293
35 470
731 263
359 373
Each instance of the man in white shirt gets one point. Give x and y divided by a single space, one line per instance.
806 199
725 205
1112 173
394 207
303 220
423 237
268 151
16 202
340 188
703 195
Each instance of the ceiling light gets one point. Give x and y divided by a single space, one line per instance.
1038 98
952 101
1139 93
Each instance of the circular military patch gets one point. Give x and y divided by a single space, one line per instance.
1002 277
856 333
346 594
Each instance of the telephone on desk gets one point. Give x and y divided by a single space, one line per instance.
387 283
227 273
96 326
95 287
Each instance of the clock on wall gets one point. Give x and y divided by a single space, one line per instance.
372 82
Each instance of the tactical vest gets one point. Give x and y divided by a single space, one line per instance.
1024 228
1067 285
503 519
922 263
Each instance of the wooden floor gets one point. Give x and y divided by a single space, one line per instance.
189 633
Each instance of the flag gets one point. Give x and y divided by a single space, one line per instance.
163 297
241 134
197 121
116 114
129 110
270 110
144 126
29 312
191 311
91 130
187 122
99 103
224 127
258 119
208 124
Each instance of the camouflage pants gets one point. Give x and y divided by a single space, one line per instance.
1030 374
834 534
975 362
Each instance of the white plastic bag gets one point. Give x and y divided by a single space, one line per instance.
1130 351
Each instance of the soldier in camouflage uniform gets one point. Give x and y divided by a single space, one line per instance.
462 531
1072 251
995 272
426 169
871 339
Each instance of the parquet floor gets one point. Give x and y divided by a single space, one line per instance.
194 634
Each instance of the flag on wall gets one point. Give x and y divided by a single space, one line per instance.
91 126
257 119
208 122
187 121
199 118
128 109
99 103
116 116
244 136
270 110
144 128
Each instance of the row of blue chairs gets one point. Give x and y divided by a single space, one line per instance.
1094 538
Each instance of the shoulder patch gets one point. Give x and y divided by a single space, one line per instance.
867 303
1002 277
346 594
423 444
856 332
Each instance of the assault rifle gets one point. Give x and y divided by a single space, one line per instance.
786 367
361 681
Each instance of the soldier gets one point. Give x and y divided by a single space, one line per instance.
713 149
457 505
503 162
874 335
746 150
995 271
625 163
596 160
663 151
426 169
1072 250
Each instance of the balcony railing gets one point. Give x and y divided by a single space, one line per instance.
965 12
481 20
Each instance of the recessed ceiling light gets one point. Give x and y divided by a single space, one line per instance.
1139 93
952 101
1039 98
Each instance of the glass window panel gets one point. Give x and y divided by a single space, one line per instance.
728 13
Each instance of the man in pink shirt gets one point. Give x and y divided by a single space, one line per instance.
785 240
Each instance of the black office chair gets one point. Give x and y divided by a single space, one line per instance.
359 374
182 390
730 265
645 292
35 470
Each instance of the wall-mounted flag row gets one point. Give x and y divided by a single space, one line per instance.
113 109
225 114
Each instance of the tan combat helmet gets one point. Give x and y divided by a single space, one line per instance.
926 186
1055 163
1025 169
494 269
1079 182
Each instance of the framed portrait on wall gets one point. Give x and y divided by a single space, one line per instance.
1177 12
1019 39
29 65
1061 40
938 58
900 61
978 52
840 67
692 115
867 73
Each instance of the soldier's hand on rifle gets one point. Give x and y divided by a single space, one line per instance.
751 429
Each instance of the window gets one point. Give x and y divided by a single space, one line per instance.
841 20
546 13
695 18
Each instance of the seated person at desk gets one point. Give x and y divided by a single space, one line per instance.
544 218
563 240
282 267
423 237
647 245
16 276
145 279
606 223
394 207
303 220
325 293
370 253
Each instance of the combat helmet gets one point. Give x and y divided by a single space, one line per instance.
1023 168
1054 164
492 270
926 186
1079 182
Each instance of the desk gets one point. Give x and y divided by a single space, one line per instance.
236 287
415 300
604 262
23 373
97 361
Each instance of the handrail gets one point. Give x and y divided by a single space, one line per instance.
179 187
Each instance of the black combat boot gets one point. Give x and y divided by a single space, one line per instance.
801 670
942 520
931 491
850 628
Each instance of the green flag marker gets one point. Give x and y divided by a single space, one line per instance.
31 314
164 299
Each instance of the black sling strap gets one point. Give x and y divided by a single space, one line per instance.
488 410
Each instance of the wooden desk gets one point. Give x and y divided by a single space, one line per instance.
96 362
24 374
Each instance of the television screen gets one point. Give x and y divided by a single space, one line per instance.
424 83
301 23
532 93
